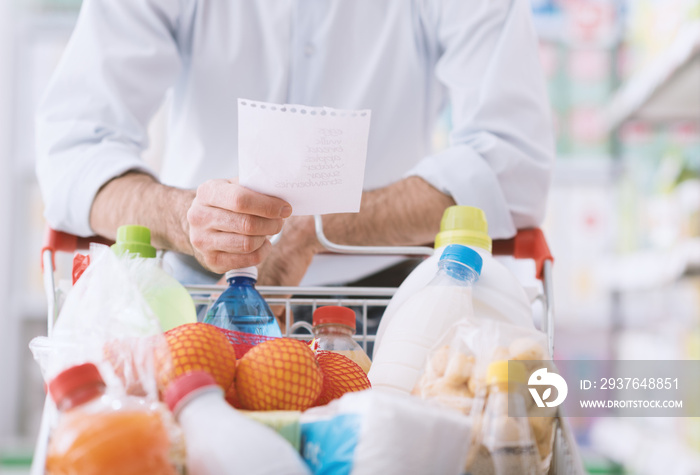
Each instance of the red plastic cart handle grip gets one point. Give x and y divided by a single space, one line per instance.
527 244
58 241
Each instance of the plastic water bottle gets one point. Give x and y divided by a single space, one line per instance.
167 297
505 443
241 308
424 318
498 294
220 439
333 328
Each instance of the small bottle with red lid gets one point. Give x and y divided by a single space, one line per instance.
99 434
333 329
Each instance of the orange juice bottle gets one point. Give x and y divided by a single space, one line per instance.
333 329
97 434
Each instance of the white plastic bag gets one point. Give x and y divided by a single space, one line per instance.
455 373
371 432
105 320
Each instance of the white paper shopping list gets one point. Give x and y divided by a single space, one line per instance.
312 157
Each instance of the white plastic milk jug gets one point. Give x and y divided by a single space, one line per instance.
498 294
424 318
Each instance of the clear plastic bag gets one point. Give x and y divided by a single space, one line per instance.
455 372
105 320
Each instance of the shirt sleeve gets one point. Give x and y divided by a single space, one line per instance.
92 122
501 145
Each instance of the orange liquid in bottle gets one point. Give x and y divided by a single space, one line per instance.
109 443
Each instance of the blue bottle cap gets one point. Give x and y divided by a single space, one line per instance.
463 254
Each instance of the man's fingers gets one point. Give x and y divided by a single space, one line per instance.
231 243
234 197
229 224
219 219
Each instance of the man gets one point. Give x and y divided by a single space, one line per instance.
403 59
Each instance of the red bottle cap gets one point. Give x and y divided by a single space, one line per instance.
334 314
185 385
76 385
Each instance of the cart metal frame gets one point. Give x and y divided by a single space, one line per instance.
527 244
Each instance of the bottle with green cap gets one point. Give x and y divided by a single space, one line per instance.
504 442
168 299
498 295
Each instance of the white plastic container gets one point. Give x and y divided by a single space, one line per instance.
497 295
370 432
221 440
424 318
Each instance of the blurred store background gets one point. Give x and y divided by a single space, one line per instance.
623 221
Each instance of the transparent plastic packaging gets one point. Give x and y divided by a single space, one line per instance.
503 440
455 374
333 329
107 321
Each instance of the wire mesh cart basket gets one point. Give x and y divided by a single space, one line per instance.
368 303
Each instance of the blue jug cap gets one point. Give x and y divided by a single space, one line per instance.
251 272
463 254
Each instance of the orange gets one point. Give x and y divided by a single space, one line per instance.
280 374
340 375
200 347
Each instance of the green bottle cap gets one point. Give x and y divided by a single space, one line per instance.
134 240
464 225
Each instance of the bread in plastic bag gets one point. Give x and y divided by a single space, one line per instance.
455 372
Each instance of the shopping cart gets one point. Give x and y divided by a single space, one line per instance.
527 244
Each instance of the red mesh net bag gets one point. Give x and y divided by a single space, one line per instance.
243 342
279 374
200 347
340 375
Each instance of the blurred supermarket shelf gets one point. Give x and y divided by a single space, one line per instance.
644 449
668 89
650 269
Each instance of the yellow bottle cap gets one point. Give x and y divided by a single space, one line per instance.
464 225
504 371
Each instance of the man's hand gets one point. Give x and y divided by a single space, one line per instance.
224 225
229 225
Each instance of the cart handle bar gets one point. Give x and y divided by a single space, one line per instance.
527 244
58 241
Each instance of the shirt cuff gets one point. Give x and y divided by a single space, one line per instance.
69 204
463 174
